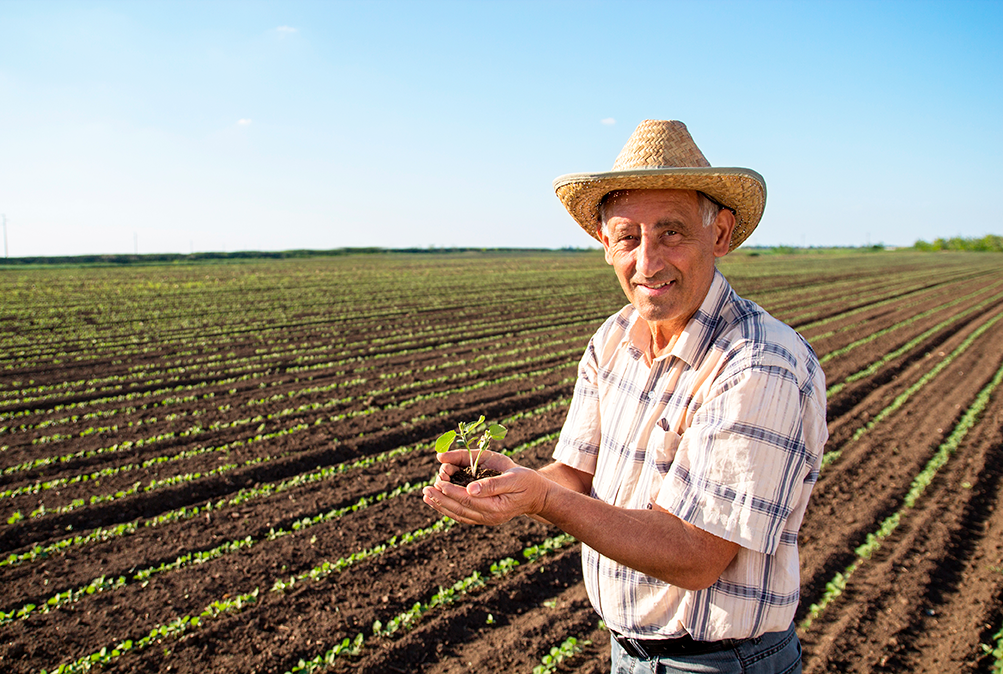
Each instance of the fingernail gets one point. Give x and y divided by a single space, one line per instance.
474 489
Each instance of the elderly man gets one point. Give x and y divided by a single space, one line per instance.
695 434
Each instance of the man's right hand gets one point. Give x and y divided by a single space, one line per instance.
494 500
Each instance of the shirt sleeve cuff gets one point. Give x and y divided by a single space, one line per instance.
580 457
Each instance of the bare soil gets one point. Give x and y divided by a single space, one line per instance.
926 601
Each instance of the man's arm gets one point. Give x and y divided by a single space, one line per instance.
576 480
653 541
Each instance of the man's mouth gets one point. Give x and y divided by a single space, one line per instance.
654 286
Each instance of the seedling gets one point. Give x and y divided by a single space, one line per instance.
471 435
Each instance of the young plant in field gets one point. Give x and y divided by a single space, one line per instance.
474 435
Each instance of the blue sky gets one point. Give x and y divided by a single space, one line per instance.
224 126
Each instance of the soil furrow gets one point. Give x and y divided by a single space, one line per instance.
314 337
893 604
872 475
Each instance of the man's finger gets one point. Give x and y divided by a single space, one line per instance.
496 461
487 486
446 471
456 457
455 493
508 483
450 507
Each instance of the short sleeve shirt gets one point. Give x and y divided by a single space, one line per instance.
726 432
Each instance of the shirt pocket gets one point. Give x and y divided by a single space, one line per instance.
662 446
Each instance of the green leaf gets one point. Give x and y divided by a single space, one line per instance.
445 441
497 431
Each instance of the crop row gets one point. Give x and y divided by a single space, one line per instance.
246 495
42 461
78 502
866 296
361 388
260 437
909 345
266 328
833 454
274 330
321 571
102 583
444 597
402 621
835 587
343 359
421 382
877 334
184 477
42 510
915 298
172 630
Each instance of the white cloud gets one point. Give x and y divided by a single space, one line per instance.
243 122
609 121
285 30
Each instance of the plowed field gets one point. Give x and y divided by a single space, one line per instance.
217 467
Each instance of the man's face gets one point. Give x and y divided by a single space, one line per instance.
663 254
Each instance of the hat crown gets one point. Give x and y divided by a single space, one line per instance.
658 143
661 155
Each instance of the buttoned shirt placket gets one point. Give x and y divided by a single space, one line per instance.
630 397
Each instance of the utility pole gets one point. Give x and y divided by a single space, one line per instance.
5 236
135 242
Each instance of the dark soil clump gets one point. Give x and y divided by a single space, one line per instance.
465 477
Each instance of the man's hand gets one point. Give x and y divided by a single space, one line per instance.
652 541
495 500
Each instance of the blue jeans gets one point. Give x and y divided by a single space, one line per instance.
772 653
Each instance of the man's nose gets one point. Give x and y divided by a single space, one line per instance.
649 261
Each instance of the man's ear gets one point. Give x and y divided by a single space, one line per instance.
604 240
723 226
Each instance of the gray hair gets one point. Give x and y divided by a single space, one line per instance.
709 208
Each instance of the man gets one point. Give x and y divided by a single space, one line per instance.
695 434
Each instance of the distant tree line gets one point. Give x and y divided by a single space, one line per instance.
185 258
989 242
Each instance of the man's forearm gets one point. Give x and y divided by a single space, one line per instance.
653 541
567 477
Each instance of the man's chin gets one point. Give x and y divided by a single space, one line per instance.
655 314
662 316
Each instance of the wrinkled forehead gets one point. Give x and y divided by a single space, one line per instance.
618 199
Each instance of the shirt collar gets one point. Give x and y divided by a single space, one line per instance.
696 337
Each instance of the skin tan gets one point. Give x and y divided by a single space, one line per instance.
664 258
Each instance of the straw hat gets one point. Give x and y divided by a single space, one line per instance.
662 155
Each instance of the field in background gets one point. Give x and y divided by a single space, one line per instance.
217 467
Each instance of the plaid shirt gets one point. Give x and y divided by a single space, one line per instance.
725 432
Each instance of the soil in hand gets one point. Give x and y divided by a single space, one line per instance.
464 476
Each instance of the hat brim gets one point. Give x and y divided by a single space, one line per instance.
740 189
